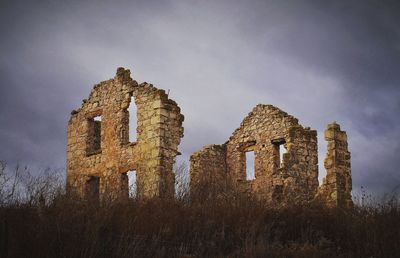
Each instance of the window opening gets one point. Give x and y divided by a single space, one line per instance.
132 110
250 170
132 183
94 136
321 159
282 150
92 189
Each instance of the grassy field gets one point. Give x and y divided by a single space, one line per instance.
45 222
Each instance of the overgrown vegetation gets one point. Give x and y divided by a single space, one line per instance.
38 219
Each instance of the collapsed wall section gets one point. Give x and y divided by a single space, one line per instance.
100 149
208 171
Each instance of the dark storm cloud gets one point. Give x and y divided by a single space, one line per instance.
318 60
358 44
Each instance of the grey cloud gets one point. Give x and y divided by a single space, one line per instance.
319 62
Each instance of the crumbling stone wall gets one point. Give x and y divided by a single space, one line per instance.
336 187
99 153
208 183
262 131
292 181
100 150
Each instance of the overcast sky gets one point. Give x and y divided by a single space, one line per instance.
320 61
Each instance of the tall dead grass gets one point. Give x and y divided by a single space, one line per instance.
38 219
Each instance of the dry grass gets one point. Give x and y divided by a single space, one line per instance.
45 222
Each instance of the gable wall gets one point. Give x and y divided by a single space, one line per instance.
159 131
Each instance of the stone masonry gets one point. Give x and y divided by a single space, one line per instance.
336 187
208 171
292 180
99 153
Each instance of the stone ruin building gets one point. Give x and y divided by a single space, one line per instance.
282 154
99 153
285 161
